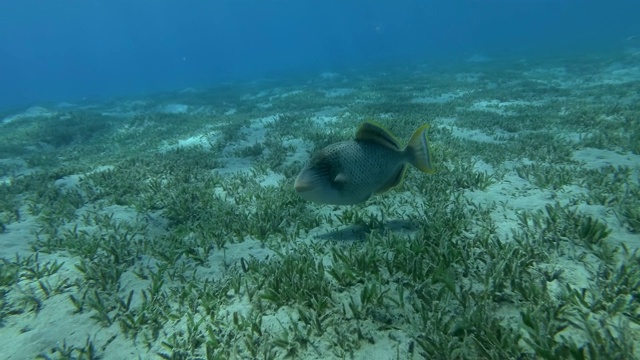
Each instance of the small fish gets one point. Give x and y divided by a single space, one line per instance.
349 172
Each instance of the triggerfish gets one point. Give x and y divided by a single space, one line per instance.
349 172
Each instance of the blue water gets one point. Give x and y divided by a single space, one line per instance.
66 50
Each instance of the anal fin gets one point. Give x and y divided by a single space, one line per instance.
394 181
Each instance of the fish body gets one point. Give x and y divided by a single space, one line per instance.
349 172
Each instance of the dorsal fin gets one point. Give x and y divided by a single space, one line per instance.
373 132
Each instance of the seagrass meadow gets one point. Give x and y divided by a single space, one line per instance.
167 227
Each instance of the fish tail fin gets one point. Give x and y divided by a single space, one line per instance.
417 150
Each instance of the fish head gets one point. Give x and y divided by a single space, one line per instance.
312 185
321 180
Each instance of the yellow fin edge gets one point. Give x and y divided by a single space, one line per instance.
374 132
418 150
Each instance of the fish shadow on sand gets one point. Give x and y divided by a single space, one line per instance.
357 232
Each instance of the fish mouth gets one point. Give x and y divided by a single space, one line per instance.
302 186
305 182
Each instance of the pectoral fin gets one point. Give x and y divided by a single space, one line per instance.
340 180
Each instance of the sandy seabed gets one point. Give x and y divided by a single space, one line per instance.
167 226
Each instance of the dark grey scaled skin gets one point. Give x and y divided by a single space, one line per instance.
349 172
